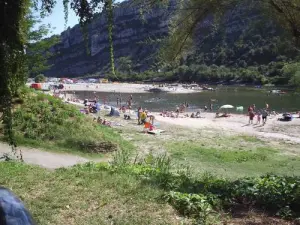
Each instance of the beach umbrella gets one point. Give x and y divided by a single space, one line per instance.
226 107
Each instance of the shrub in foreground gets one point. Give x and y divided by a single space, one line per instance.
202 197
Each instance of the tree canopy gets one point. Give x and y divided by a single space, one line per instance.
190 14
40 78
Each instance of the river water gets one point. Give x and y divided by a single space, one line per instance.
233 96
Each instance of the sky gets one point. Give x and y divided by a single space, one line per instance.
57 18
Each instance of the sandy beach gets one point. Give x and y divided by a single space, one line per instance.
124 88
238 124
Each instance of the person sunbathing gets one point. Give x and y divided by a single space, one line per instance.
106 123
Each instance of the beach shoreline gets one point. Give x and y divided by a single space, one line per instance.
237 124
124 88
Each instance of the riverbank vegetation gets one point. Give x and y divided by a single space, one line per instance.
253 59
40 120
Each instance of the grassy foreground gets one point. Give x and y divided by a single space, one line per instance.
152 189
46 122
149 192
86 197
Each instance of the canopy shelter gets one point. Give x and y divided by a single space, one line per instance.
226 107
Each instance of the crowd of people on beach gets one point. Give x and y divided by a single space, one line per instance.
144 117
259 114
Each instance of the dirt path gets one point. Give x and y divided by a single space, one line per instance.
45 159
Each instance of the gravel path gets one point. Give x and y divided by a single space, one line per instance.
45 159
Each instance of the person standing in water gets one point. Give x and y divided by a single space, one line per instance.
117 101
130 101
267 106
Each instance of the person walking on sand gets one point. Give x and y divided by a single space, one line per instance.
264 116
250 109
251 117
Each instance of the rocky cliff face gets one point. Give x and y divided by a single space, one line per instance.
131 30
244 38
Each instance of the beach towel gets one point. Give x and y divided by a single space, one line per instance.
155 131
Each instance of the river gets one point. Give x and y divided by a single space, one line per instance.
233 96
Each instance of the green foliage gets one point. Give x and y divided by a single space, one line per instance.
40 78
207 193
110 19
203 196
197 206
37 46
270 192
125 65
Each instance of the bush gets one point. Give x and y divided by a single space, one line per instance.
40 78
202 197
197 206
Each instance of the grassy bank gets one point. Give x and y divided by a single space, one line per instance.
46 122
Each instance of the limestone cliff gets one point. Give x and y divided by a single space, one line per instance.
131 30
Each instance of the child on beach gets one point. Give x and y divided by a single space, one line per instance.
258 116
